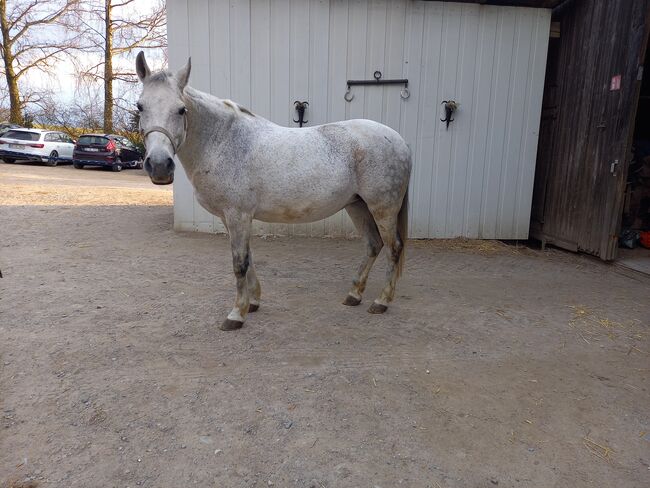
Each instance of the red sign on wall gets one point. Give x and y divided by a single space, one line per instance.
616 83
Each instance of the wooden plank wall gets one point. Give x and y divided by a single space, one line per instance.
578 200
473 180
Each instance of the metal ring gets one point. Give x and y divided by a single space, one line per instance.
349 96
377 75
404 93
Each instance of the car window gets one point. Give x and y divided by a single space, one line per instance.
89 140
22 135
127 143
67 138
51 137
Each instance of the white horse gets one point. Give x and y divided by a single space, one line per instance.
244 167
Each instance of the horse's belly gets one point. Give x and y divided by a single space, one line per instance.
296 216
302 211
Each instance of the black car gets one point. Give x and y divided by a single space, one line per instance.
106 150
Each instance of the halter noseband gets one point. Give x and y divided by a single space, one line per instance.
162 130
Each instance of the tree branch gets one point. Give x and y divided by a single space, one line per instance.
47 20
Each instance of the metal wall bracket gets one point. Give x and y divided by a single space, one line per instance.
300 108
450 107
404 93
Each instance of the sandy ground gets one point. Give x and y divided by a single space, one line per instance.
496 366
35 184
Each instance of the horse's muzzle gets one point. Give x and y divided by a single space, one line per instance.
160 172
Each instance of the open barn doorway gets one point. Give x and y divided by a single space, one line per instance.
634 243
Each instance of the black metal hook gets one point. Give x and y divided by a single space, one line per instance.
450 107
300 108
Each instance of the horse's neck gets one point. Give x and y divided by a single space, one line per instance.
207 119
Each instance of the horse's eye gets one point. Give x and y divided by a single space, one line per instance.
139 105
182 111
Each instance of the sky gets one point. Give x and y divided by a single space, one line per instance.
63 80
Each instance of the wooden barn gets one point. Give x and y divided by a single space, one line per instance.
584 192
547 92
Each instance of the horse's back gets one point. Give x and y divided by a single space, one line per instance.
306 174
368 133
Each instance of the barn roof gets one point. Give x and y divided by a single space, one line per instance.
515 3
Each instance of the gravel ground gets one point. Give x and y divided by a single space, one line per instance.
495 366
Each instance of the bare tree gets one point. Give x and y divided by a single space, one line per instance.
80 114
25 45
115 28
4 105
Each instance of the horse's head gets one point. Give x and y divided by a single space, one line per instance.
163 120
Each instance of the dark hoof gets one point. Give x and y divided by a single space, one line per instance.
253 308
231 325
377 308
351 301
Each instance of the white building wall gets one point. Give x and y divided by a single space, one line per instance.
473 180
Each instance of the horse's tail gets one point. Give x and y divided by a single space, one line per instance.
403 230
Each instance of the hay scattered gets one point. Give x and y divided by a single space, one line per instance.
597 450
592 326
462 244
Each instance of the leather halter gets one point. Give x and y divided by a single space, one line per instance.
162 130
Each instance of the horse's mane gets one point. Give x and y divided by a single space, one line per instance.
237 108
160 76
211 99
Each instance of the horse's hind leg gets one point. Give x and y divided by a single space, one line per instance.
254 288
365 224
387 223
239 228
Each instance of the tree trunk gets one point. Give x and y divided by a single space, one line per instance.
108 69
16 115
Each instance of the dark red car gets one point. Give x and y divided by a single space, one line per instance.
106 150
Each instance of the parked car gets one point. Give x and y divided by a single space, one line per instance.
50 147
106 150
7 126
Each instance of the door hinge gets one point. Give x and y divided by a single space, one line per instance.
613 167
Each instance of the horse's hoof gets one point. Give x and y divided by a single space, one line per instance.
253 307
231 325
377 308
351 301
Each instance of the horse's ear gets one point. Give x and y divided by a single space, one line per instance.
183 74
141 66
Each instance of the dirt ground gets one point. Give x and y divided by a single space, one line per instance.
35 184
496 366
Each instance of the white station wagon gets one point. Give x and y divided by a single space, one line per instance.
50 147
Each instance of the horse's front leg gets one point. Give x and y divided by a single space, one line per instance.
239 228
